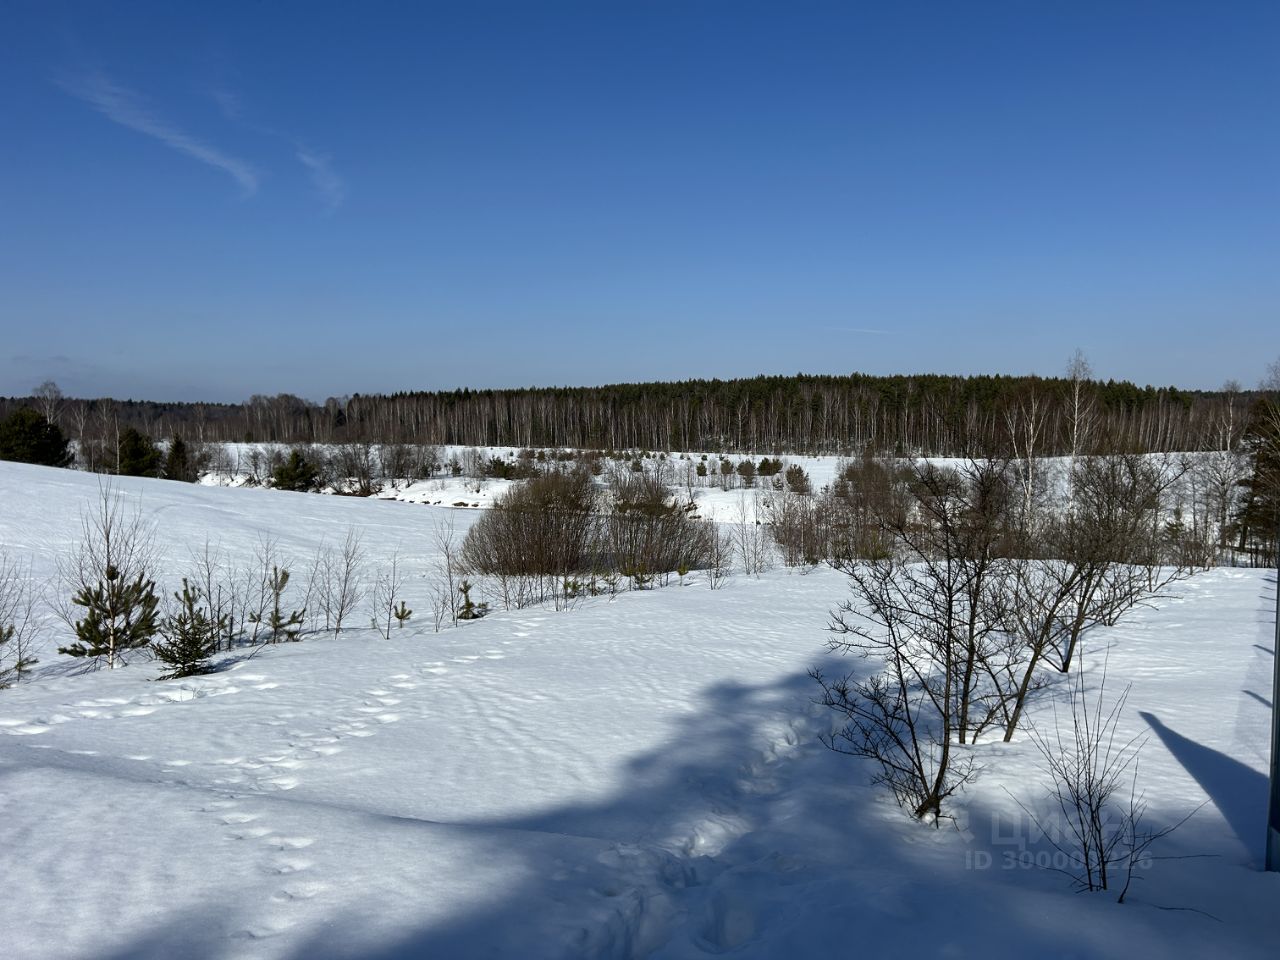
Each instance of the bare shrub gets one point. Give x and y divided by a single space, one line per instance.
843 522
443 576
750 538
795 524
719 556
546 526
556 537
408 461
648 533
1112 539
386 604
928 613
1093 784
354 469
20 627
338 581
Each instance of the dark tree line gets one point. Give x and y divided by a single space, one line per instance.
926 414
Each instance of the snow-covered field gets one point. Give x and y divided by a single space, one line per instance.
637 777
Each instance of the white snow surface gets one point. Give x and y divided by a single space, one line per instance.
637 777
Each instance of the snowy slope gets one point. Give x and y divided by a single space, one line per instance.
636 777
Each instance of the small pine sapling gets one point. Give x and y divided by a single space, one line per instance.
12 673
402 613
281 627
119 615
470 610
190 634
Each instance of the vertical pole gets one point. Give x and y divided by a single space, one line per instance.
1273 809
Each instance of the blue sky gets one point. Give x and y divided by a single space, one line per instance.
205 201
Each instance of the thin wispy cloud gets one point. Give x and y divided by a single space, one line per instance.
228 103
123 106
865 330
328 184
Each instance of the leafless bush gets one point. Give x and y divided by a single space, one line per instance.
408 461
795 524
338 581
220 584
443 576
472 463
547 526
20 626
648 533
1112 540
719 556
750 538
221 465
843 522
556 537
928 613
257 586
355 470
386 603
1093 784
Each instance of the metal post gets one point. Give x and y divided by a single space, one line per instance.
1273 810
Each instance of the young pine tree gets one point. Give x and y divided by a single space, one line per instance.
282 627
402 613
11 673
190 635
119 615
469 609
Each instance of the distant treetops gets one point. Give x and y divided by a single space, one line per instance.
28 436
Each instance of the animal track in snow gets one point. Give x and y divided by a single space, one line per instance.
302 890
288 843
284 866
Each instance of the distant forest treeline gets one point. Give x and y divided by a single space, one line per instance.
930 414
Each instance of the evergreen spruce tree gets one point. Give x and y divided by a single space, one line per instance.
1258 518
178 464
27 437
296 473
190 635
119 615
138 455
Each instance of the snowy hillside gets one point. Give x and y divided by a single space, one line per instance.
636 777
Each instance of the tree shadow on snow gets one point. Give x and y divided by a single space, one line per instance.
1237 790
740 833
1257 696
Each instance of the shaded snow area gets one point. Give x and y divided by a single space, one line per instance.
636 777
